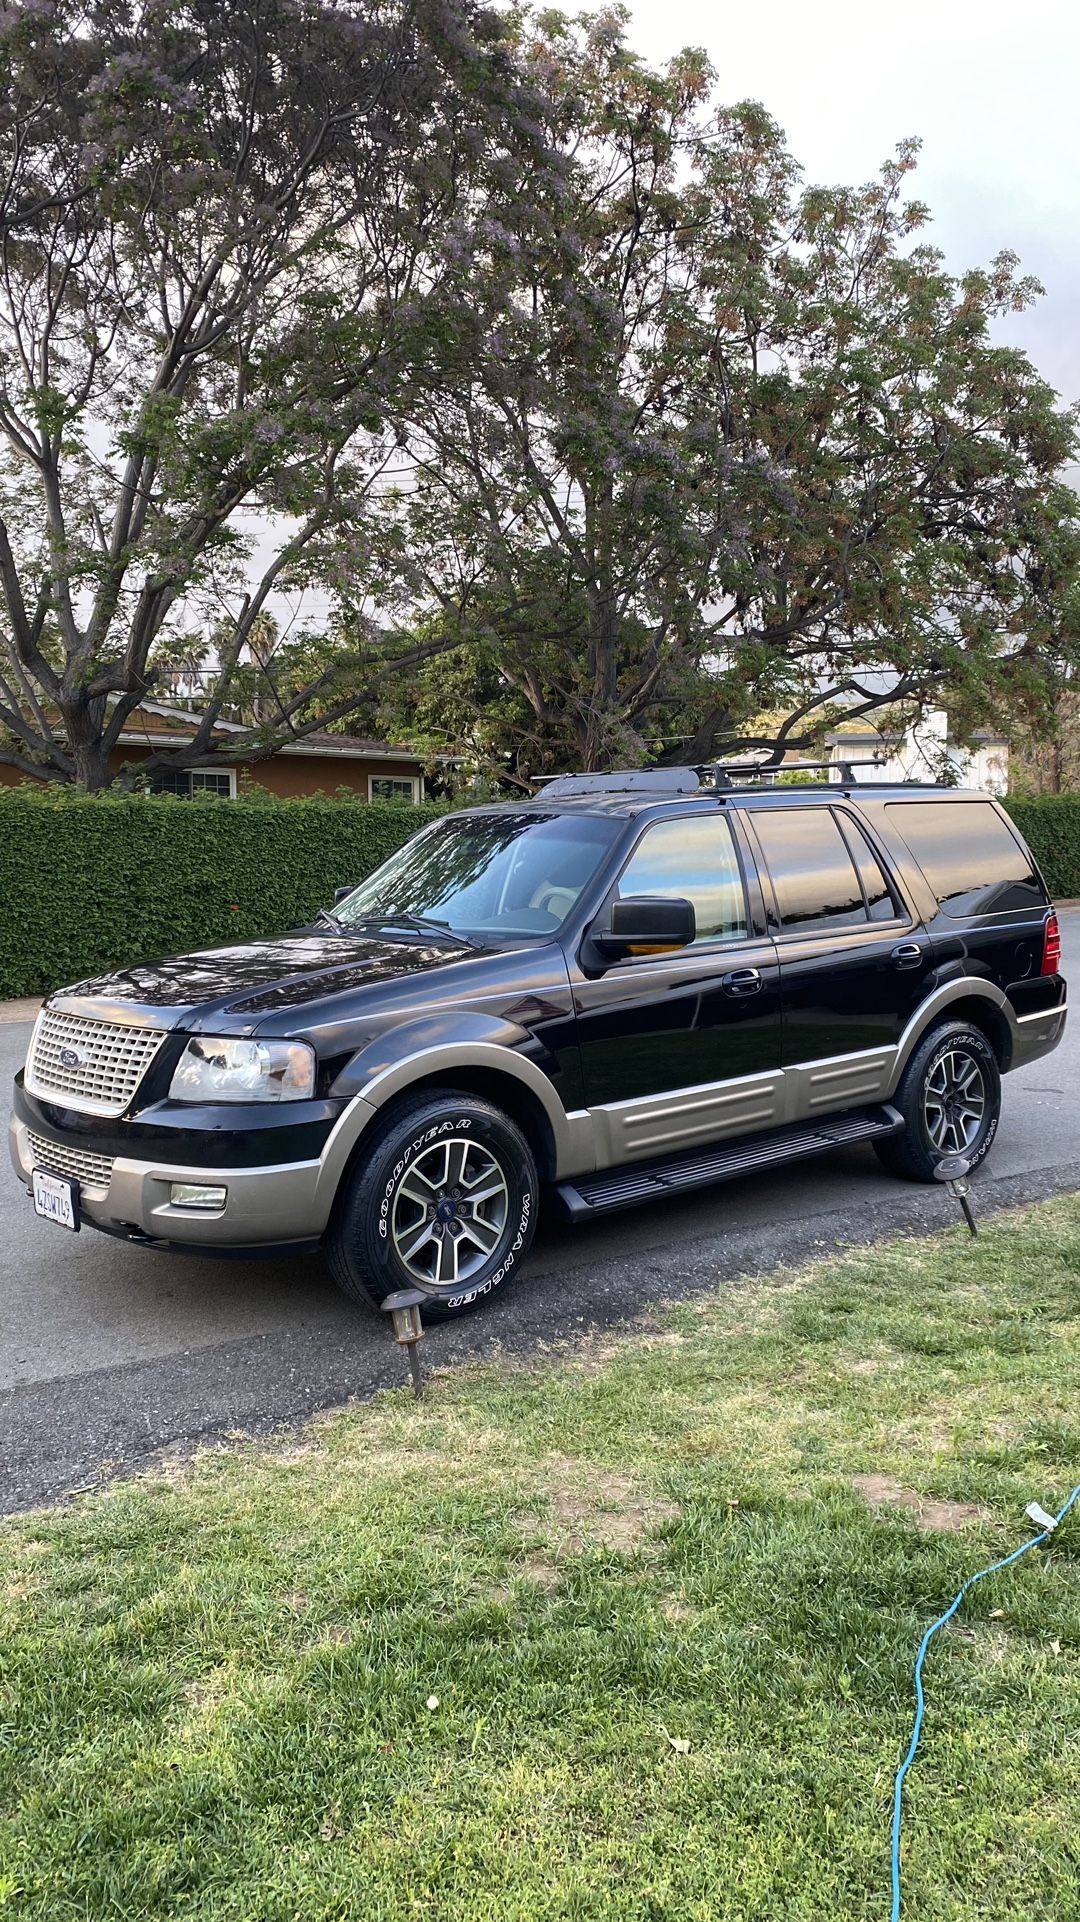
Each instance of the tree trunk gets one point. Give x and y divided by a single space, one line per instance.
84 721
604 650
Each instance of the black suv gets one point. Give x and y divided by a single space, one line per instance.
633 985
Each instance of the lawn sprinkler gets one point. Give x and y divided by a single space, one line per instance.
408 1328
953 1170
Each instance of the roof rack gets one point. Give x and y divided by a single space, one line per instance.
719 774
637 780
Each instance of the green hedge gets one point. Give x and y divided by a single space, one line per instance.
1050 824
90 882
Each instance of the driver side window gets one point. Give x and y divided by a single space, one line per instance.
692 857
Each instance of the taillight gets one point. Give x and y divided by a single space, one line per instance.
1051 961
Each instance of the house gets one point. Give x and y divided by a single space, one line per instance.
924 752
317 763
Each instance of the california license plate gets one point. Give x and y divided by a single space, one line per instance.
56 1199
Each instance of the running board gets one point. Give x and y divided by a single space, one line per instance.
624 1187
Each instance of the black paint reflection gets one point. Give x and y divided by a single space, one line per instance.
296 968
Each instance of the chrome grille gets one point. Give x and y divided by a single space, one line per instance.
92 1065
90 1171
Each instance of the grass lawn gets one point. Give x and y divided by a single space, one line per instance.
628 1635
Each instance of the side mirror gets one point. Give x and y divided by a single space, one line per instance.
647 924
340 893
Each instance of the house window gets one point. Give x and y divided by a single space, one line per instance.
393 787
197 780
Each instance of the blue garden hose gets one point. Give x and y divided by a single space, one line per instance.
898 1798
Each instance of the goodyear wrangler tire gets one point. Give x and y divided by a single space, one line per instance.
444 1199
950 1098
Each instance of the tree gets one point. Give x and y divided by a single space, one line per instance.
223 235
728 444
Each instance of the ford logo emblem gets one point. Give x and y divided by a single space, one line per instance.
71 1058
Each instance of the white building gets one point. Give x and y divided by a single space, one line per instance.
925 753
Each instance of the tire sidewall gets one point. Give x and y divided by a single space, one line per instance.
367 1219
947 1041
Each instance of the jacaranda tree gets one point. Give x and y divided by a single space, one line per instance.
728 444
223 236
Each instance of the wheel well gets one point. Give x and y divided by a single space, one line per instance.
504 1091
982 1014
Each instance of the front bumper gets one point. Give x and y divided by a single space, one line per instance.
268 1206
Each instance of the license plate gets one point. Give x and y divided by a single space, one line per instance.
56 1199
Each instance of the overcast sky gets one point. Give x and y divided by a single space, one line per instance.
993 90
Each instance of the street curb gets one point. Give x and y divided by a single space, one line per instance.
60 1437
25 1010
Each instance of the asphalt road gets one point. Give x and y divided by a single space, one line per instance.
108 1353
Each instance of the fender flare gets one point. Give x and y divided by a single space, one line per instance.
439 1046
966 987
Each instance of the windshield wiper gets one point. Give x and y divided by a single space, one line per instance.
415 924
330 921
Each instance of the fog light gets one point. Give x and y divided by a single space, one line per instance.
192 1194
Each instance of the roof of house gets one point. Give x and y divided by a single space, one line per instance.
342 746
849 732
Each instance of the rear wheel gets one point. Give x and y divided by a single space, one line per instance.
950 1098
443 1200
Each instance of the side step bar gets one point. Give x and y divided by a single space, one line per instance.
624 1187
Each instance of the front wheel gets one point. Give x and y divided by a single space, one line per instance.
443 1200
950 1098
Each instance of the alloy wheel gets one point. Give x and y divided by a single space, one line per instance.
449 1212
954 1103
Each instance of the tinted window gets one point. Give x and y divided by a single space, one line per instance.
693 857
879 896
812 871
511 873
972 861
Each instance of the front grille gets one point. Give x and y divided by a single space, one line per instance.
92 1065
90 1171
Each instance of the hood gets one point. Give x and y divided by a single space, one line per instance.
255 979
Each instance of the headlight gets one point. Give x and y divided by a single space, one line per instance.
221 1069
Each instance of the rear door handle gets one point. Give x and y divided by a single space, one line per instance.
741 981
907 955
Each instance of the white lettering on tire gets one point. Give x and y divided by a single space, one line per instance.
420 1141
501 1272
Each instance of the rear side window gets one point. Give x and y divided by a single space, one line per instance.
812 871
972 860
879 896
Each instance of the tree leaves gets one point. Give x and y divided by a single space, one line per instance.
223 236
718 442
540 353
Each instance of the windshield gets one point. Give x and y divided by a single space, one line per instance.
494 874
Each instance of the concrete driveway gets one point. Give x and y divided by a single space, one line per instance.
108 1352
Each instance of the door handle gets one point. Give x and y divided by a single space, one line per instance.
741 981
908 955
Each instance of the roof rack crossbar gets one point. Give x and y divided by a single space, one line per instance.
732 773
